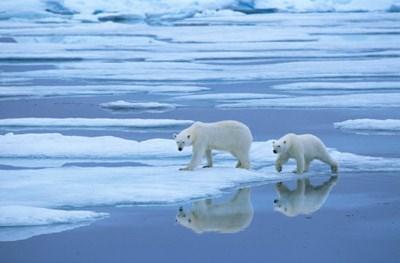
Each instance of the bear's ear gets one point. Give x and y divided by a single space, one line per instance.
188 136
284 142
174 135
273 142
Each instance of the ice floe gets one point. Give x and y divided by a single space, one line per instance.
7 92
227 96
339 86
364 100
370 125
58 180
19 222
91 123
93 186
122 105
8 234
39 151
11 216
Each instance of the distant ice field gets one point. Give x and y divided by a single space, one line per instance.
388 126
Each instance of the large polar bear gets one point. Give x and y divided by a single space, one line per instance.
229 217
304 148
230 136
305 199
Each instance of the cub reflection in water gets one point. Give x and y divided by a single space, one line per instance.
305 199
229 217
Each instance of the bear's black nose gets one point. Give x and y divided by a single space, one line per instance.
274 151
181 209
275 201
180 149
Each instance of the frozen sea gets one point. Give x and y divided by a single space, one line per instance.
92 91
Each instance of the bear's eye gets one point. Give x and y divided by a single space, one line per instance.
284 142
279 146
188 136
190 220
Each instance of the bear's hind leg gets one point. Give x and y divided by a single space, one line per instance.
306 165
238 164
244 161
326 158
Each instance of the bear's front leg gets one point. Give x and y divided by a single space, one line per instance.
196 159
278 166
300 164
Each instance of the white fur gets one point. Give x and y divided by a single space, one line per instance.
230 217
230 136
303 148
305 199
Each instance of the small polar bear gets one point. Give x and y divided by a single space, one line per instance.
305 199
303 148
231 217
230 136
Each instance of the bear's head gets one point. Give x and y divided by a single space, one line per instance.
279 146
282 203
184 138
187 220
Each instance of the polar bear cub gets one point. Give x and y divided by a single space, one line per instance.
305 199
303 148
231 216
231 136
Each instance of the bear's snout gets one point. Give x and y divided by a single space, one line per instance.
275 151
180 149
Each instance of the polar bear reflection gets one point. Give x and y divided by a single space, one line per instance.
305 199
229 217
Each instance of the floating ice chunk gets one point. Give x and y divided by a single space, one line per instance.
337 86
166 10
324 5
78 187
25 232
36 216
42 91
370 125
19 222
93 123
366 100
227 96
122 105
42 145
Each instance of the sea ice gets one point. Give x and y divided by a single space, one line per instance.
364 100
339 86
227 96
11 216
122 105
92 123
370 125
